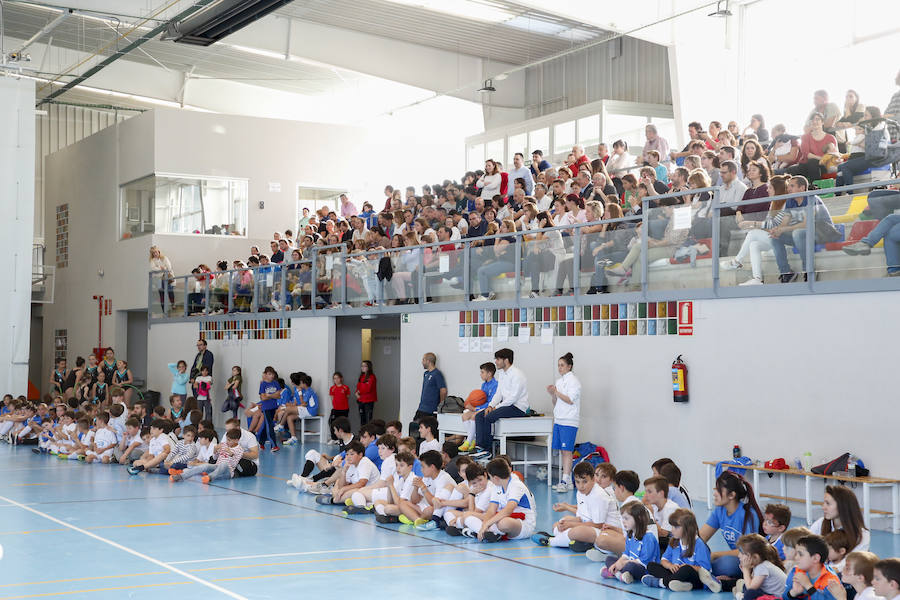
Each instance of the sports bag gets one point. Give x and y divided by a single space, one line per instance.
451 404
839 465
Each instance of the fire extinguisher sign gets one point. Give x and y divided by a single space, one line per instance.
686 318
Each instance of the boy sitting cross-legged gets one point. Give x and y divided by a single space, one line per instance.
357 473
400 488
362 501
467 520
157 450
511 512
595 509
228 454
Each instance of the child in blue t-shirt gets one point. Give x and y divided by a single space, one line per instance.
303 402
641 546
686 552
473 406
269 396
736 513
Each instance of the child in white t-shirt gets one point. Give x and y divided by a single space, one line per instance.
656 497
511 512
859 568
594 509
358 472
362 500
401 490
428 431
104 442
477 490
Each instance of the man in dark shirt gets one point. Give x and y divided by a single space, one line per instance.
538 164
434 388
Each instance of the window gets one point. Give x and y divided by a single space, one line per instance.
173 204
516 143
60 344
315 198
625 127
539 139
589 130
62 236
563 137
494 150
475 157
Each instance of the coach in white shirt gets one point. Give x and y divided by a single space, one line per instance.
510 399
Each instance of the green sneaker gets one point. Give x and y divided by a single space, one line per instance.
406 520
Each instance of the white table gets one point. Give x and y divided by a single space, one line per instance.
507 430
303 433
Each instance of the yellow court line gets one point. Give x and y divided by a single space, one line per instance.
190 522
108 589
68 483
350 570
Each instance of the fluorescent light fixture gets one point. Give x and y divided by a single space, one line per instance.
534 25
469 9
219 20
576 34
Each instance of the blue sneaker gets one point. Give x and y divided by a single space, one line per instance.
541 538
651 581
134 470
429 526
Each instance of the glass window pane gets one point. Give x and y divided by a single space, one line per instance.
625 127
539 139
316 198
494 151
516 143
563 137
589 130
475 157
170 204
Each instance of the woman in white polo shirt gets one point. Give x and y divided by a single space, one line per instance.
566 396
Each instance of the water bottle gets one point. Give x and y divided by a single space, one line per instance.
736 451
851 466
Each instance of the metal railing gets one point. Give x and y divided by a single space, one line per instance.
442 275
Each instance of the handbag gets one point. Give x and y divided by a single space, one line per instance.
876 145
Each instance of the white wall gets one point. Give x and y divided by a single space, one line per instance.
310 349
779 376
16 229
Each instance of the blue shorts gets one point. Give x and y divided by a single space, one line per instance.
564 437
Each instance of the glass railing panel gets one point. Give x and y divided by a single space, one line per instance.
444 273
678 252
160 303
298 286
492 268
219 293
362 279
542 257
746 245
602 254
243 290
403 287
330 276
196 288
856 236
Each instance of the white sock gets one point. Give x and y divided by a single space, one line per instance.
560 539
313 456
449 518
443 494
470 431
473 523
358 499
567 478
379 509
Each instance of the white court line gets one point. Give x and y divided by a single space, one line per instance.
159 563
206 560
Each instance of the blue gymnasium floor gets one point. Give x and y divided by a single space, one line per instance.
92 531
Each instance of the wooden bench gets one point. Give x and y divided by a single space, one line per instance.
867 484
511 431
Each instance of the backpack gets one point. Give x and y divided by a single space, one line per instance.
839 465
590 452
451 404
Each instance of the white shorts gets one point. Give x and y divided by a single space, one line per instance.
527 531
107 452
381 495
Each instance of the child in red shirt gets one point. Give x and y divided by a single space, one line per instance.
340 400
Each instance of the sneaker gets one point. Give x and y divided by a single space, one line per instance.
204 478
385 519
534 295
291 441
596 555
131 470
730 265
453 531
605 574
469 533
454 281
563 486
858 248
714 585
358 510
626 577
491 295
175 471
491 537
787 277
279 428
580 547
405 520
617 271
420 522
541 538
429 526
651 581
324 499
752 281
681 586
466 446
275 449
176 477
36 450
480 299
348 502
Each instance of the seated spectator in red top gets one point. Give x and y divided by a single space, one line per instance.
603 152
758 174
388 194
814 144
580 157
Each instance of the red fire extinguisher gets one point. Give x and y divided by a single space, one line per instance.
679 380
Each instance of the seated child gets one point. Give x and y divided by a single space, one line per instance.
30 428
362 501
641 546
595 508
839 545
762 572
228 454
677 494
368 434
118 414
477 401
326 464
400 488
435 486
810 578
886 578
206 448
604 474
776 522
132 445
395 428
511 512
685 555
82 441
656 496
104 443
158 449
858 571
477 491
358 472
789 542
184 452
611 539
428 431
304 403
408 444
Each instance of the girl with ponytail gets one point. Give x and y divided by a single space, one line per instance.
736 514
